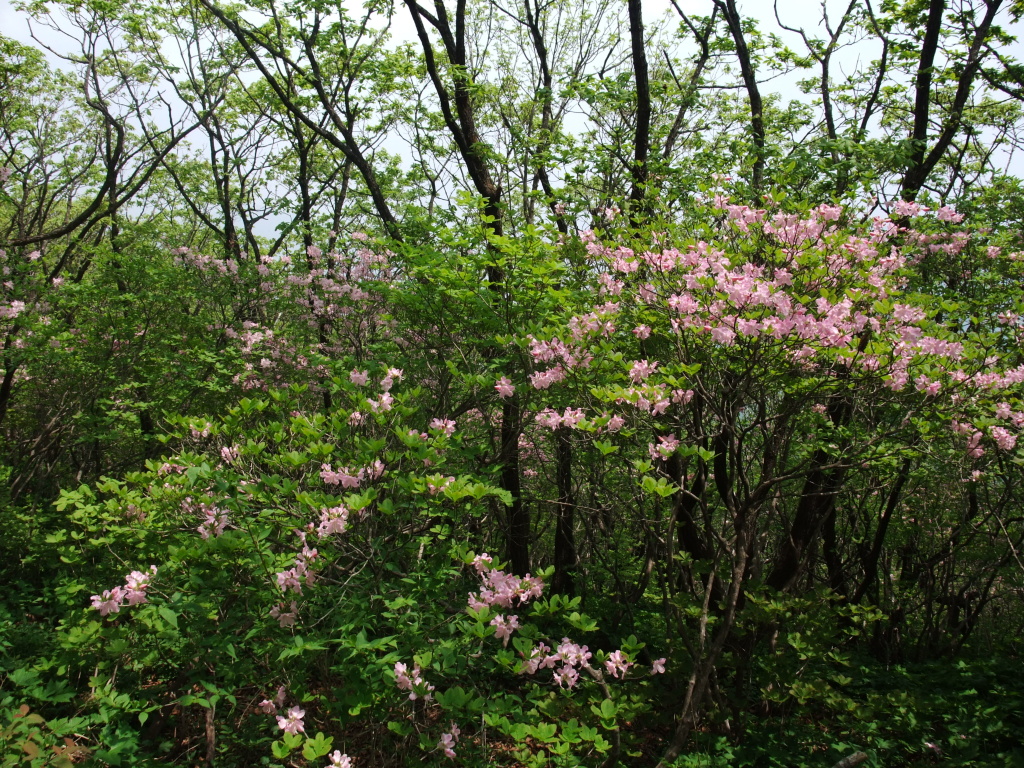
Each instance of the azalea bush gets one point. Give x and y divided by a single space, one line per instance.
752 448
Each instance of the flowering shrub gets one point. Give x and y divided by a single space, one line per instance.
704 423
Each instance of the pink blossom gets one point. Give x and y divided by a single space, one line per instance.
333 520
268 707
214 521
829 212
503 627
544 379
723 335
615 423
12 310
617 664
642 331
504 387
658 667
449 740
501 588
383 403
571 653
359 378
289 580
136 585
293 722
344 477
641 369
109 602
132 593
436 484
447 426
393 375
339 760
609 285
549 418
907 208
413 683
924 384
1005 439
668 445
945 213
538 656
566 677
571 417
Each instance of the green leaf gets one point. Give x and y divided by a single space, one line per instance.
317 747
169 616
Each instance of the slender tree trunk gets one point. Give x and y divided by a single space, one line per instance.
642 135
749 76
565 545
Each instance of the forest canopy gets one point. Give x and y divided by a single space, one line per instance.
529 383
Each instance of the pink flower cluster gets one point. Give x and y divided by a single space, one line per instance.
567 357
292 722
641 369
437 483
286 615
544 379
445 426
132 593
12 310
653 398
503 628
617 664
1004 439
293 578
500 588
269 707
666 447
351 478
214 521
449 740
393 375
504 387
571 656
414 682
571 417
333 520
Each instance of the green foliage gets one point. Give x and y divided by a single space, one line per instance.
270 387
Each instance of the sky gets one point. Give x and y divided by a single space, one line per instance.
791 12
14 24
